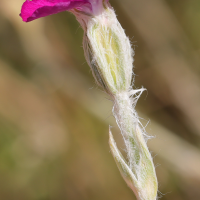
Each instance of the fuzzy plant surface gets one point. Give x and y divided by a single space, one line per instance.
110 56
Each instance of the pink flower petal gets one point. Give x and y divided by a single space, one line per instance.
40 8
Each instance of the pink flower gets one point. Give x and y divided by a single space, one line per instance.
35 9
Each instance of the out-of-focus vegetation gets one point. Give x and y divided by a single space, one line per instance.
54 120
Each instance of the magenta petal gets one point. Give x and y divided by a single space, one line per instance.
40 8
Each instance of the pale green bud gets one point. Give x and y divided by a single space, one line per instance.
108 52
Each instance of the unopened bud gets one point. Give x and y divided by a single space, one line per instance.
108 52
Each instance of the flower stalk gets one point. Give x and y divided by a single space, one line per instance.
110 56
138 171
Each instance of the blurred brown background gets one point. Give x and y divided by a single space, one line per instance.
54 120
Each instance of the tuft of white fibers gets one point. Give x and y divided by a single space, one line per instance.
110 56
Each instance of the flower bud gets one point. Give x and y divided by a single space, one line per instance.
108 52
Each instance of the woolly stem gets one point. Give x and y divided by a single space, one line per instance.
138 155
